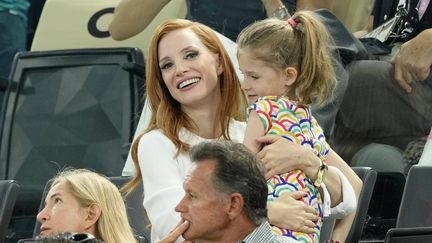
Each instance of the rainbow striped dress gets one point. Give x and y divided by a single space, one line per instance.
283 117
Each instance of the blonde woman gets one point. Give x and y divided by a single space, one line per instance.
80 200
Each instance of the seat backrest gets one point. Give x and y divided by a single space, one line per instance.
327 229
9 192
46 189
384 204
405 235
68 108
416 205
368 176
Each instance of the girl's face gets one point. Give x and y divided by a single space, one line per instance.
189 69
260 79
62 212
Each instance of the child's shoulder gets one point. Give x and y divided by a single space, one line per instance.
278 100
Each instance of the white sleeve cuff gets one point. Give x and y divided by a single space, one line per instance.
349 200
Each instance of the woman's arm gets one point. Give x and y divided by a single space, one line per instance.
296 157
286 212
162 180
343 226
132 16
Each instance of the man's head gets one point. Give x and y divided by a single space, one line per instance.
225 187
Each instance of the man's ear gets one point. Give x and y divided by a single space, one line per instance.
93 215
290 75
236 205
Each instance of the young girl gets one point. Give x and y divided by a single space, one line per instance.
286 66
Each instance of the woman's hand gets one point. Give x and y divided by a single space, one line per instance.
279 155
286 212
176 233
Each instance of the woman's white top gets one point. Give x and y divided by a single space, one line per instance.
163 174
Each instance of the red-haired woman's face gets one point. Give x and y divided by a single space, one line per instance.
189 69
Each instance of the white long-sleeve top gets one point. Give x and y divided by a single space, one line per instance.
163 174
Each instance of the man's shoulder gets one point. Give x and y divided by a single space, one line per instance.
264 233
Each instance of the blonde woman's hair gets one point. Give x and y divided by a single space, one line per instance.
92 188
167 114
302 43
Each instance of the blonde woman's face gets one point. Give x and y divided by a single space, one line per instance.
62 212
189 69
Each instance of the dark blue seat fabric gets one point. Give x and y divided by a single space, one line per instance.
8 193
76 108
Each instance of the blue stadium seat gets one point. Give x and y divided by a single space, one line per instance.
77 108
9 191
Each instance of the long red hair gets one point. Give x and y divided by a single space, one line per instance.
167 114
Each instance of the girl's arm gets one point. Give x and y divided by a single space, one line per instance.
254 130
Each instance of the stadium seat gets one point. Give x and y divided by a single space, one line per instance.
135 210
406 235
384 205
76 107
416 205
414 219
368 176
9 192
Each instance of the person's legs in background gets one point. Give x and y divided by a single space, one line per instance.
326 113
381 157
13 38
375 109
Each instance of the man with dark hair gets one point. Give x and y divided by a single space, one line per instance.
225 197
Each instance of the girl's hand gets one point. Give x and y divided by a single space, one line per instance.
286 212
280 155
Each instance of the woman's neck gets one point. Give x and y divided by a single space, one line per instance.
204 118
